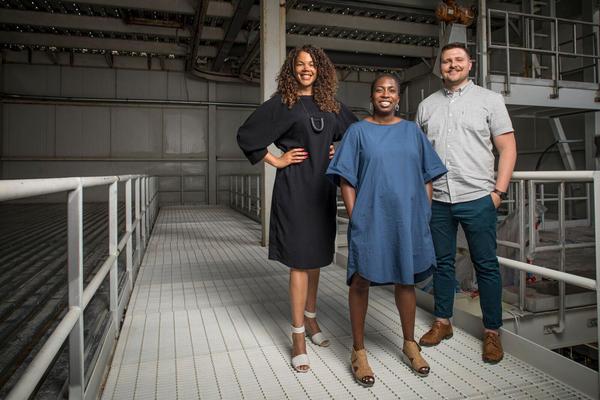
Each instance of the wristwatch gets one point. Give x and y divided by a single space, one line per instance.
503 195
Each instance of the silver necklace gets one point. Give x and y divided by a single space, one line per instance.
318 124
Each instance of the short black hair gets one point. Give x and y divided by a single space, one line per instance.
385 75
456 45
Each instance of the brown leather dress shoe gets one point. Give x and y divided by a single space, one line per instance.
436 334
492 348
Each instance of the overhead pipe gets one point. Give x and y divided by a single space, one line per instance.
18 98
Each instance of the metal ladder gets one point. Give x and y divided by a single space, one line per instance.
540 32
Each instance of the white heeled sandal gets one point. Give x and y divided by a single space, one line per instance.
318 338
301 360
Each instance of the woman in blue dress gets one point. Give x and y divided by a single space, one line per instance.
384 167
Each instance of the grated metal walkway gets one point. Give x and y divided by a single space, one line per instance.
209 319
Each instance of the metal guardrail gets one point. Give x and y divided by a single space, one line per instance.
526 190
554 50
529 180
244 195
143 198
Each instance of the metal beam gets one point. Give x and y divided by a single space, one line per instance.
563 145
361 23
250 56
80 22
172 6
371 60
415 71
301 17
199 16
421 7
224 9
233 29
64 41
361 46
214 33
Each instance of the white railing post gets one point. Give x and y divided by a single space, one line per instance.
143 212
249 192
236 191
147 213
243 191
522 255
258 191
113 244
138 225
230 191
596 183
561 240
75 277
128 249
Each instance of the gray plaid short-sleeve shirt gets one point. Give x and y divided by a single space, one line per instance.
460 126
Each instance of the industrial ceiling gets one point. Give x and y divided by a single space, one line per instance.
221 38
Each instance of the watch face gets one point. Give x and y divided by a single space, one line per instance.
503 195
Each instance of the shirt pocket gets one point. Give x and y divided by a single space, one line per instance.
475 120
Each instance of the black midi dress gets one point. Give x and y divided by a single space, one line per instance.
303 208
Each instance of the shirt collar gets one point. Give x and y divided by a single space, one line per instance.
461 90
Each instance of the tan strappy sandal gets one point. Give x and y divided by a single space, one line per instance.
411 355
363 374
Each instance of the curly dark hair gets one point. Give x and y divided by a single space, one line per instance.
324 87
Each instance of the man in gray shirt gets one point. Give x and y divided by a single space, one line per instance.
463 122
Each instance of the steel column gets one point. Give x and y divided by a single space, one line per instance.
272 54
482 61
211 197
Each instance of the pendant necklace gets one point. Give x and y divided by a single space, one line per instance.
318 124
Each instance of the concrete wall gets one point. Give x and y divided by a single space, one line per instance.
168 138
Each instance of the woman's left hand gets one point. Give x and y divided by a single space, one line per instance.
331 151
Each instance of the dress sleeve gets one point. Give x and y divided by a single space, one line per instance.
344 119
345 162
264 126
432 166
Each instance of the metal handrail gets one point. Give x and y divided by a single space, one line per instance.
555 52
241 196
529 179
144 199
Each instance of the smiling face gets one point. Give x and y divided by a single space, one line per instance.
455 66
305 73
385 96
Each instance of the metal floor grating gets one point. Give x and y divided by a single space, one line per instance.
209 319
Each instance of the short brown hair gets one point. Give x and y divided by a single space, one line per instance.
456 45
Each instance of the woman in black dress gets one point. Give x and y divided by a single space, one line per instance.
303 119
